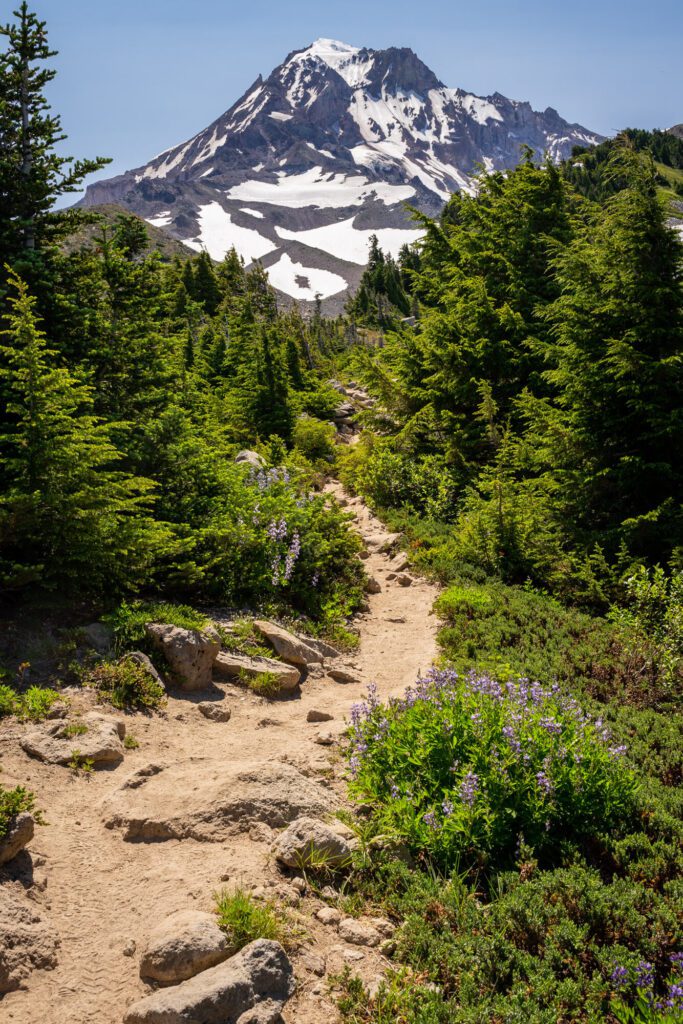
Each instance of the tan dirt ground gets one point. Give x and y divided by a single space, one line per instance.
103 895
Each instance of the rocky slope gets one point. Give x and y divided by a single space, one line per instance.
326 151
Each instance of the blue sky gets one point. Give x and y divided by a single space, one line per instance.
137 76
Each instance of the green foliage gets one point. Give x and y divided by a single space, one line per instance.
128 621
651 624
315 440
31 705
465 769
79 763
125 684
244 920
12 802
592 173
264 684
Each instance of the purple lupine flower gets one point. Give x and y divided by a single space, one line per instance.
430 820
619 976
644 975
447 808
469 787
544 783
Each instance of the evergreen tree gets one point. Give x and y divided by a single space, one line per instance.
206 290
68 516
32 175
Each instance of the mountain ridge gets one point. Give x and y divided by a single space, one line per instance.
326 151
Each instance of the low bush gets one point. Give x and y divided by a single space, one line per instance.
12 802
31 705
128 621
244 919
126 685
265 684
316 441
467 769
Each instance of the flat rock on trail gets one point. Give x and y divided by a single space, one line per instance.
103 895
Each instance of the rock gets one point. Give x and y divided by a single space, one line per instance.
129 947
182 945
360 933
19 833
102 743
391 576
319 716
250 458
231 665
289 646
389 540
399 563
373 586
208 800
329 915
364 554
189 653
308 841
384 927
214 710
312 963
98 636
146 663
324 649
27 941
343 412
343 675
249 988
325 738
404 580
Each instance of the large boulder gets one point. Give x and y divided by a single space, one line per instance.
58 742
250 458
19 833
324 649
27 941
308 841
190 653
289 646
231 666
250 988
208 800
182 945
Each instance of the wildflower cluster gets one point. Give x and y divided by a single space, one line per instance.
461 767
641 999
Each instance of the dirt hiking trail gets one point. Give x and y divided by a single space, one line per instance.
101 894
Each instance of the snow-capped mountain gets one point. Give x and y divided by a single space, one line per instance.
325 152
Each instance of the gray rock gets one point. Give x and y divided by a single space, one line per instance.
182 945
319 716
18 835
101 743
373 586
404 580
98 636
231 666
310 841
399 563
208 800
329 915
216 711
360 933
27 941
325 738
324 649
250 988
344 675
189 653
250 458
146 663
289 646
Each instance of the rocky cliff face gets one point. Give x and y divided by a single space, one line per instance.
325 152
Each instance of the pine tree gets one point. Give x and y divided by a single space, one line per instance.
32 175
206 290
68 516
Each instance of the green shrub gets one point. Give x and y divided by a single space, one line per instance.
128 621
467 769
32 705
315 440
651 624
265 684
12 802
126 685
243 919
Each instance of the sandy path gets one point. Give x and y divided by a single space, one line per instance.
102 894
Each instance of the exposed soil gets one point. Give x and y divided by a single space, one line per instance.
103 894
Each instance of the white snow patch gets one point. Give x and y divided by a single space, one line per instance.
252 213
217 234
160 220
283 275
319 188
349 243
277 116
204 173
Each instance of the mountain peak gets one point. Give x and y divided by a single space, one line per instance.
323 153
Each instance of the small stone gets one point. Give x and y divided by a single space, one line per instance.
214 711
404 580
400 563
182 945
360 933
19 832
391 576
373 586
342 675
328 893
325 739
313 964
300 885
354 955
328 915
388 947
310 841
319 716
129 948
